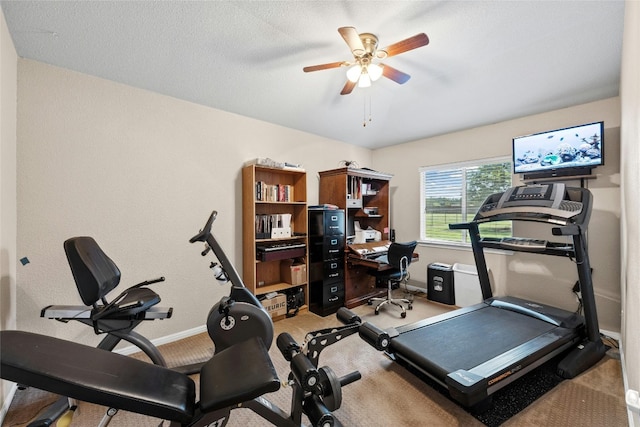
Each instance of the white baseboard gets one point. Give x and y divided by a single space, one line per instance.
413 286
164 340
625 382
614 335
7 402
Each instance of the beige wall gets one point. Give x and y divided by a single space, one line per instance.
140 172
630 229
545 279
8 97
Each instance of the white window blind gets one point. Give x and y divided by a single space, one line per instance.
454 192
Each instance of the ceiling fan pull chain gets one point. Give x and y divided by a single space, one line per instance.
364 110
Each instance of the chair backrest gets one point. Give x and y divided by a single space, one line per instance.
94 272
398 251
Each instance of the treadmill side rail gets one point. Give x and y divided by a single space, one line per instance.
546 313
466 387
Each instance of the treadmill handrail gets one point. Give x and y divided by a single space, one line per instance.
524 310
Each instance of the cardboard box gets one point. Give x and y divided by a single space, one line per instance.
293 271
276 306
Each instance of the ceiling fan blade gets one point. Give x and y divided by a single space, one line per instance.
414 42
351 36
323 66
348 87
395 75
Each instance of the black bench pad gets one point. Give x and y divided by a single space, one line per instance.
237 374
97 376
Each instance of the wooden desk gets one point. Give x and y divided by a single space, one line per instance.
360 285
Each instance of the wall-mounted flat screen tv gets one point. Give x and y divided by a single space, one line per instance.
562 152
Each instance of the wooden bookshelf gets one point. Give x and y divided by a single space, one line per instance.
259 186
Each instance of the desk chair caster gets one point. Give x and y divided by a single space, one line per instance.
399 257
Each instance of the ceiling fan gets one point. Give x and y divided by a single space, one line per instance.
364 47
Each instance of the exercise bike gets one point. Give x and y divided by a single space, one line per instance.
238 374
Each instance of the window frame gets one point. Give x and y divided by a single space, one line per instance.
449 166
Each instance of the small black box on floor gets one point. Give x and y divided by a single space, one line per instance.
440 283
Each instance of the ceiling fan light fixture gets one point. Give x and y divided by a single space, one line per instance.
353 73
374 71
365 80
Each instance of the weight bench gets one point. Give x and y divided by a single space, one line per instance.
235 375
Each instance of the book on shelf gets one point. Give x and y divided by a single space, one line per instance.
273 192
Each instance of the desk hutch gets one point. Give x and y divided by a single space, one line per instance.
364 196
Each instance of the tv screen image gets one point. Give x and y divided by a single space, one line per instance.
578 147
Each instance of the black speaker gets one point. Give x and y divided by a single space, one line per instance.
295 300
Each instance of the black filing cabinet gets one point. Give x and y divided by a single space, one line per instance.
326 260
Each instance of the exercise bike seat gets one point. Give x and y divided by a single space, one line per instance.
96 376
96 275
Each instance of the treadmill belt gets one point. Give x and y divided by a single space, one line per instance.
466 341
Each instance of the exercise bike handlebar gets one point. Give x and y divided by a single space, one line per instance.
212 244
206 230
148 282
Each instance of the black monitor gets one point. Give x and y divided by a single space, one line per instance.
569 151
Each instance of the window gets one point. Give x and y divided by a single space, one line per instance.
454 192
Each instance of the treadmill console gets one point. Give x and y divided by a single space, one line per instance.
547 195
541 202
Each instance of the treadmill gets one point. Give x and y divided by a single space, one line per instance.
475 351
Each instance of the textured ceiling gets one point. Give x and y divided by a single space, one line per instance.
487 61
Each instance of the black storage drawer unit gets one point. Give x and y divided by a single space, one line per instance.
329 296
333 247
326 256
326 247
333 269
330 222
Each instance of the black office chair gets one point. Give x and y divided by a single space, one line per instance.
399 257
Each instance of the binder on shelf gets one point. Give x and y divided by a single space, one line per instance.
354 187
271 226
